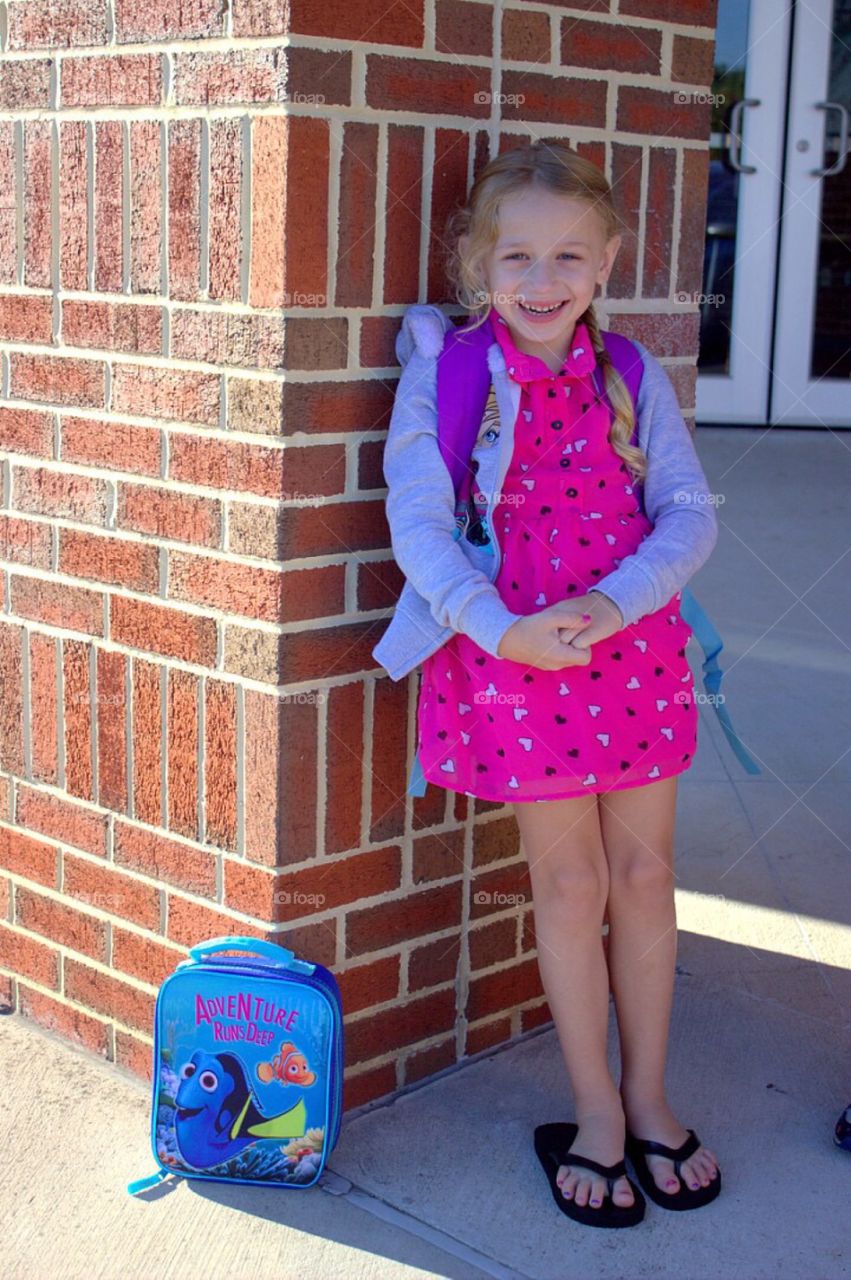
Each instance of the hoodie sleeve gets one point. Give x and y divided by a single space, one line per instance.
420 509
676 499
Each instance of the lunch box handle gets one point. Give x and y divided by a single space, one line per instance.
269 950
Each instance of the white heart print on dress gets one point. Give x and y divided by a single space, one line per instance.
542 599
526 743
669 734
520 712
589 781
491 690
463 708
448 766
641 644
604 738
661 704
595 711
633 683
563 689
654 772
512 781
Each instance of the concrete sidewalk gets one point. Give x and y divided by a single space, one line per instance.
444 1181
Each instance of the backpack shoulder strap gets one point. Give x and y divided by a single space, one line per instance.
626 358
463 383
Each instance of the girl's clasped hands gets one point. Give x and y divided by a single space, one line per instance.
562 635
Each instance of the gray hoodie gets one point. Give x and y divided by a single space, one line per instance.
449 583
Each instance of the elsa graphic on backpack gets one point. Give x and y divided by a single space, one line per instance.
547 508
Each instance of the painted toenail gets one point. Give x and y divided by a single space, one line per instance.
670 1183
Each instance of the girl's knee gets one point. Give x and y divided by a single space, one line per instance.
641 871
575 885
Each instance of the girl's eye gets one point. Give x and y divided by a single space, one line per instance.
491 434
521 254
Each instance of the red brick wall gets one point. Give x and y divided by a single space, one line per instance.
207 239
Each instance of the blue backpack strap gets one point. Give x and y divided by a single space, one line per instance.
417 782
712 644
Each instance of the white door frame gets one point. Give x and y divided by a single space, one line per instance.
742 395
798 399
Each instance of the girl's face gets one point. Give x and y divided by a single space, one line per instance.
550 254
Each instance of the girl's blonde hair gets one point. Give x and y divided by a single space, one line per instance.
556 167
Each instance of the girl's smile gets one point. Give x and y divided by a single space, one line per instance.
541 312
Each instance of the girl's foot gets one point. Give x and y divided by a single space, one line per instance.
601 1138
659 1124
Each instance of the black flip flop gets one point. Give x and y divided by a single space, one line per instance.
552 1144
683 1198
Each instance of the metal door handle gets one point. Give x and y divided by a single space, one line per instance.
735 153
840 161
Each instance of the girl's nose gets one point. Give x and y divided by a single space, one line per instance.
541 276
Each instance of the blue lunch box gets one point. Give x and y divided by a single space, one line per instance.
247 1066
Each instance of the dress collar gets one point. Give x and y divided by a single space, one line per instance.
580 360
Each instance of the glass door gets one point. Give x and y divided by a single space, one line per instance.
813 348
775 331
743 211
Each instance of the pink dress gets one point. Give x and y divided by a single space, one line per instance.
503 731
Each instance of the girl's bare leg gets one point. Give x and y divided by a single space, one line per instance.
637 827
570 883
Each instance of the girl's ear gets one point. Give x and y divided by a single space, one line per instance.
609 255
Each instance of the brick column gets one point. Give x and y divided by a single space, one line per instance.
207 239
